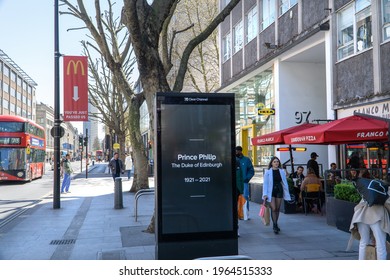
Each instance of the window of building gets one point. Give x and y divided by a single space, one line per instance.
268 16
345 32
251 22
285 5
226 47
29 89
386 19
5 104
5 87
363 25
13 76
19 81
19 95
18 111
354 28
13 92
12 107
24 99
251 95
238 34
6 70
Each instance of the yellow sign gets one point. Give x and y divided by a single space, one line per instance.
28 150
116 146
75 67
266 111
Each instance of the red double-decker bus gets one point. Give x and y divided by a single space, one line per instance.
22 149
99 155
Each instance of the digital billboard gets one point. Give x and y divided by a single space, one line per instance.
195 166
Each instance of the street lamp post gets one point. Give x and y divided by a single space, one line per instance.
57 121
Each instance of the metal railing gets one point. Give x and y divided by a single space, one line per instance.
137 195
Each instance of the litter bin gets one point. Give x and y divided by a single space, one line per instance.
118 196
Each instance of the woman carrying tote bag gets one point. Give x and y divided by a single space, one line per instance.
275 188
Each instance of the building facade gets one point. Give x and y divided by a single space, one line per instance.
45 118
304 61
17 89
68 142
93 128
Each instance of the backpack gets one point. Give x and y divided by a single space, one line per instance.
372 191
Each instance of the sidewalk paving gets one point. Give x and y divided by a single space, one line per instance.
87 227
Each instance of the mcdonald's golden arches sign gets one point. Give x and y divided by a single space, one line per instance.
75 88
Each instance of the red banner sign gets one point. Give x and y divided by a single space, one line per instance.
75 88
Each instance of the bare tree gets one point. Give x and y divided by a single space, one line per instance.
105 96
147 24
104 32
203 66
96 144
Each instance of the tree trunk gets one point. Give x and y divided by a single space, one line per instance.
140 164
151 227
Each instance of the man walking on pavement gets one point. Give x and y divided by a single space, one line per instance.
247 173
116 166
67 171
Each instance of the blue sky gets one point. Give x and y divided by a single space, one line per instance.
27 37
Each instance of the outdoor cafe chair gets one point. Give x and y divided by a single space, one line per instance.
312 192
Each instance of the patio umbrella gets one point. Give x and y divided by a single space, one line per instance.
352 129
277 137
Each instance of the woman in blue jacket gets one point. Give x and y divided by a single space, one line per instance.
275 188
248 172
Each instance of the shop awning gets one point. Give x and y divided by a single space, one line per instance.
277 137
353 129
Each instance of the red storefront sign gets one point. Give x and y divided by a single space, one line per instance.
75 88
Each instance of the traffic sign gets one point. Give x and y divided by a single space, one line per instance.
62 131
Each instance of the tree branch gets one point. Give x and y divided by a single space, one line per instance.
197 40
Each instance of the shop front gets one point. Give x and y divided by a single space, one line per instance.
372 155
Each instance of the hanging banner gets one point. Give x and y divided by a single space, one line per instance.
75 88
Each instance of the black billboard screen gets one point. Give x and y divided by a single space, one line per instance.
195 155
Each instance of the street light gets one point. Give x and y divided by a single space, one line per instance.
57 121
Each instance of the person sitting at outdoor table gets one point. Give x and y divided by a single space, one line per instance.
353 174
298 178
334 174
364 173
311 178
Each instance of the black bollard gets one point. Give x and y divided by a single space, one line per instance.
118 193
